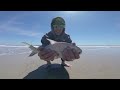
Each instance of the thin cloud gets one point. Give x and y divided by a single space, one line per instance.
20 31
30 33
9 26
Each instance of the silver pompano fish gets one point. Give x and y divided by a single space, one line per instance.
57 46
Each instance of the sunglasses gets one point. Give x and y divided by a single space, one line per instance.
59 26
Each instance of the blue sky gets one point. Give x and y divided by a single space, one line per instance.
84 27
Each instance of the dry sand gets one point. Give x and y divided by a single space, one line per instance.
93 64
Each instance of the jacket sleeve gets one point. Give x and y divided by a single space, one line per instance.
44 41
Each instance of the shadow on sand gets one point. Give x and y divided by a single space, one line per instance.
55 71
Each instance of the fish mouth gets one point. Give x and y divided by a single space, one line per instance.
80 52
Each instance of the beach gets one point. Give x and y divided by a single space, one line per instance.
94 63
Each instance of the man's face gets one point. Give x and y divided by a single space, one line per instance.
58 29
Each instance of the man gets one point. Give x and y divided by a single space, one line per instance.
58 34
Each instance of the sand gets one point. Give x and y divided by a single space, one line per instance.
93 64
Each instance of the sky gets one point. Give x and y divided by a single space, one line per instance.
84 27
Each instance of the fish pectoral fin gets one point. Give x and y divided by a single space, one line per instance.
51 41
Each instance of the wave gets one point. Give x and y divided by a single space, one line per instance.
14 46
10 50
97 46
2 54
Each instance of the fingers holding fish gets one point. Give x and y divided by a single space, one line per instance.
70 54
67 54
47 54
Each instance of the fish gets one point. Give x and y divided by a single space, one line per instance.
56 46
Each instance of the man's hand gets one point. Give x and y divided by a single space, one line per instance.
70 54
47 54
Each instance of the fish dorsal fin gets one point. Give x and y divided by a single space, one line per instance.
51 41
26 43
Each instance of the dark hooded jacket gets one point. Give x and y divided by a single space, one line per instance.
59 38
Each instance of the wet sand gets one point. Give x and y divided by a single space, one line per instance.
93 64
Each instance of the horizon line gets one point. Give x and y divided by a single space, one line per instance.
77 45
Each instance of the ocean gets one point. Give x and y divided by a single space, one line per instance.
13 50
